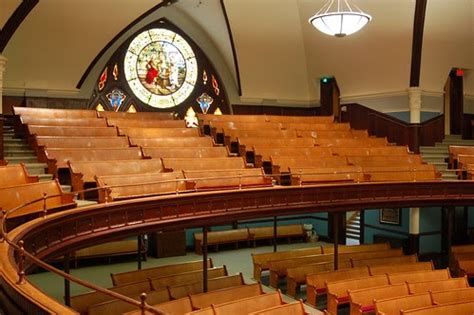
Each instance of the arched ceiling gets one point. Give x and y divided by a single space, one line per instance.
280 55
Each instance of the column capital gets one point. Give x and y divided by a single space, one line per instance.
3 63
414 102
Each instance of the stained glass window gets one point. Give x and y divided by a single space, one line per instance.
160 68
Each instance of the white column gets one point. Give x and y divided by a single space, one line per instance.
3 63
414 100
414 220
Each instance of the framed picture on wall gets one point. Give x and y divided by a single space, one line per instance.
390 216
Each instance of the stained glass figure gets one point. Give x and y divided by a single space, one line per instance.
100 108
204 77
103 79
131 109
116 98
115 72
215 85
204 102
160 68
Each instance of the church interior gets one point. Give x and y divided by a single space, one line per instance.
237 157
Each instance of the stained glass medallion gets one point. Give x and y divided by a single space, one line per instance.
160 68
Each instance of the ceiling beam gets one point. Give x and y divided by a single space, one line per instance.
14 21
417 44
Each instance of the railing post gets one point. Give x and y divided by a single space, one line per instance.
67 283
143 302
21 260
2 217
240 181
204 259
336 240
139 251
275 234
45 209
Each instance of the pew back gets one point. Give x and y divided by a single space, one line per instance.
224 163
464 308
74 131
175 142
216 297
16 174
394 305
145 123
191 152
228 178
182 290
143 274
296 308
158 132
136 116
187 277
248 305
437 285
395 268
417 276
452 296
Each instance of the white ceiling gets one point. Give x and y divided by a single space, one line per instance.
280 55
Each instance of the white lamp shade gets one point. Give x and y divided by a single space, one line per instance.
340 23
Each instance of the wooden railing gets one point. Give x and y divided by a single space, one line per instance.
60 233
397 131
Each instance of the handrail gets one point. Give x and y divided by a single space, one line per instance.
283 199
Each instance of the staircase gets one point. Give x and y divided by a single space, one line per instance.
438 155
353 227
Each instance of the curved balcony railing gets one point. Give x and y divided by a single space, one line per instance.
59 233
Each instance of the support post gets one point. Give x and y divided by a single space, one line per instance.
139 251
275 234
3 62
204 259
336 240
450 229
362 227
414 233
67 283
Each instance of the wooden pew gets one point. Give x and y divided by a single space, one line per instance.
296 308
191 164
232 135
183 290
119 307
203 300
464 162
81 302
143 274
15 196
466 268
300 119
145 123
187 277
437 285
190 152
463 308
263 154
418 276
175 142
391 150
283 231
174 307
395 304
216 238
48 121
385 261
122 187
395 268
455 150
260 260
326 134
357 248
296 276
227 179
249 305
337 291
452 296
136 116
57 158
421 172
15 174
158 132
207 118
362 300
247 143
317 126
313 175
54 113
74 131
109 249
282 164
222 126
351 143
40 143
316 282
85 172
392 160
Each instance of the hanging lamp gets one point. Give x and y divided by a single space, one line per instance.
339 18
